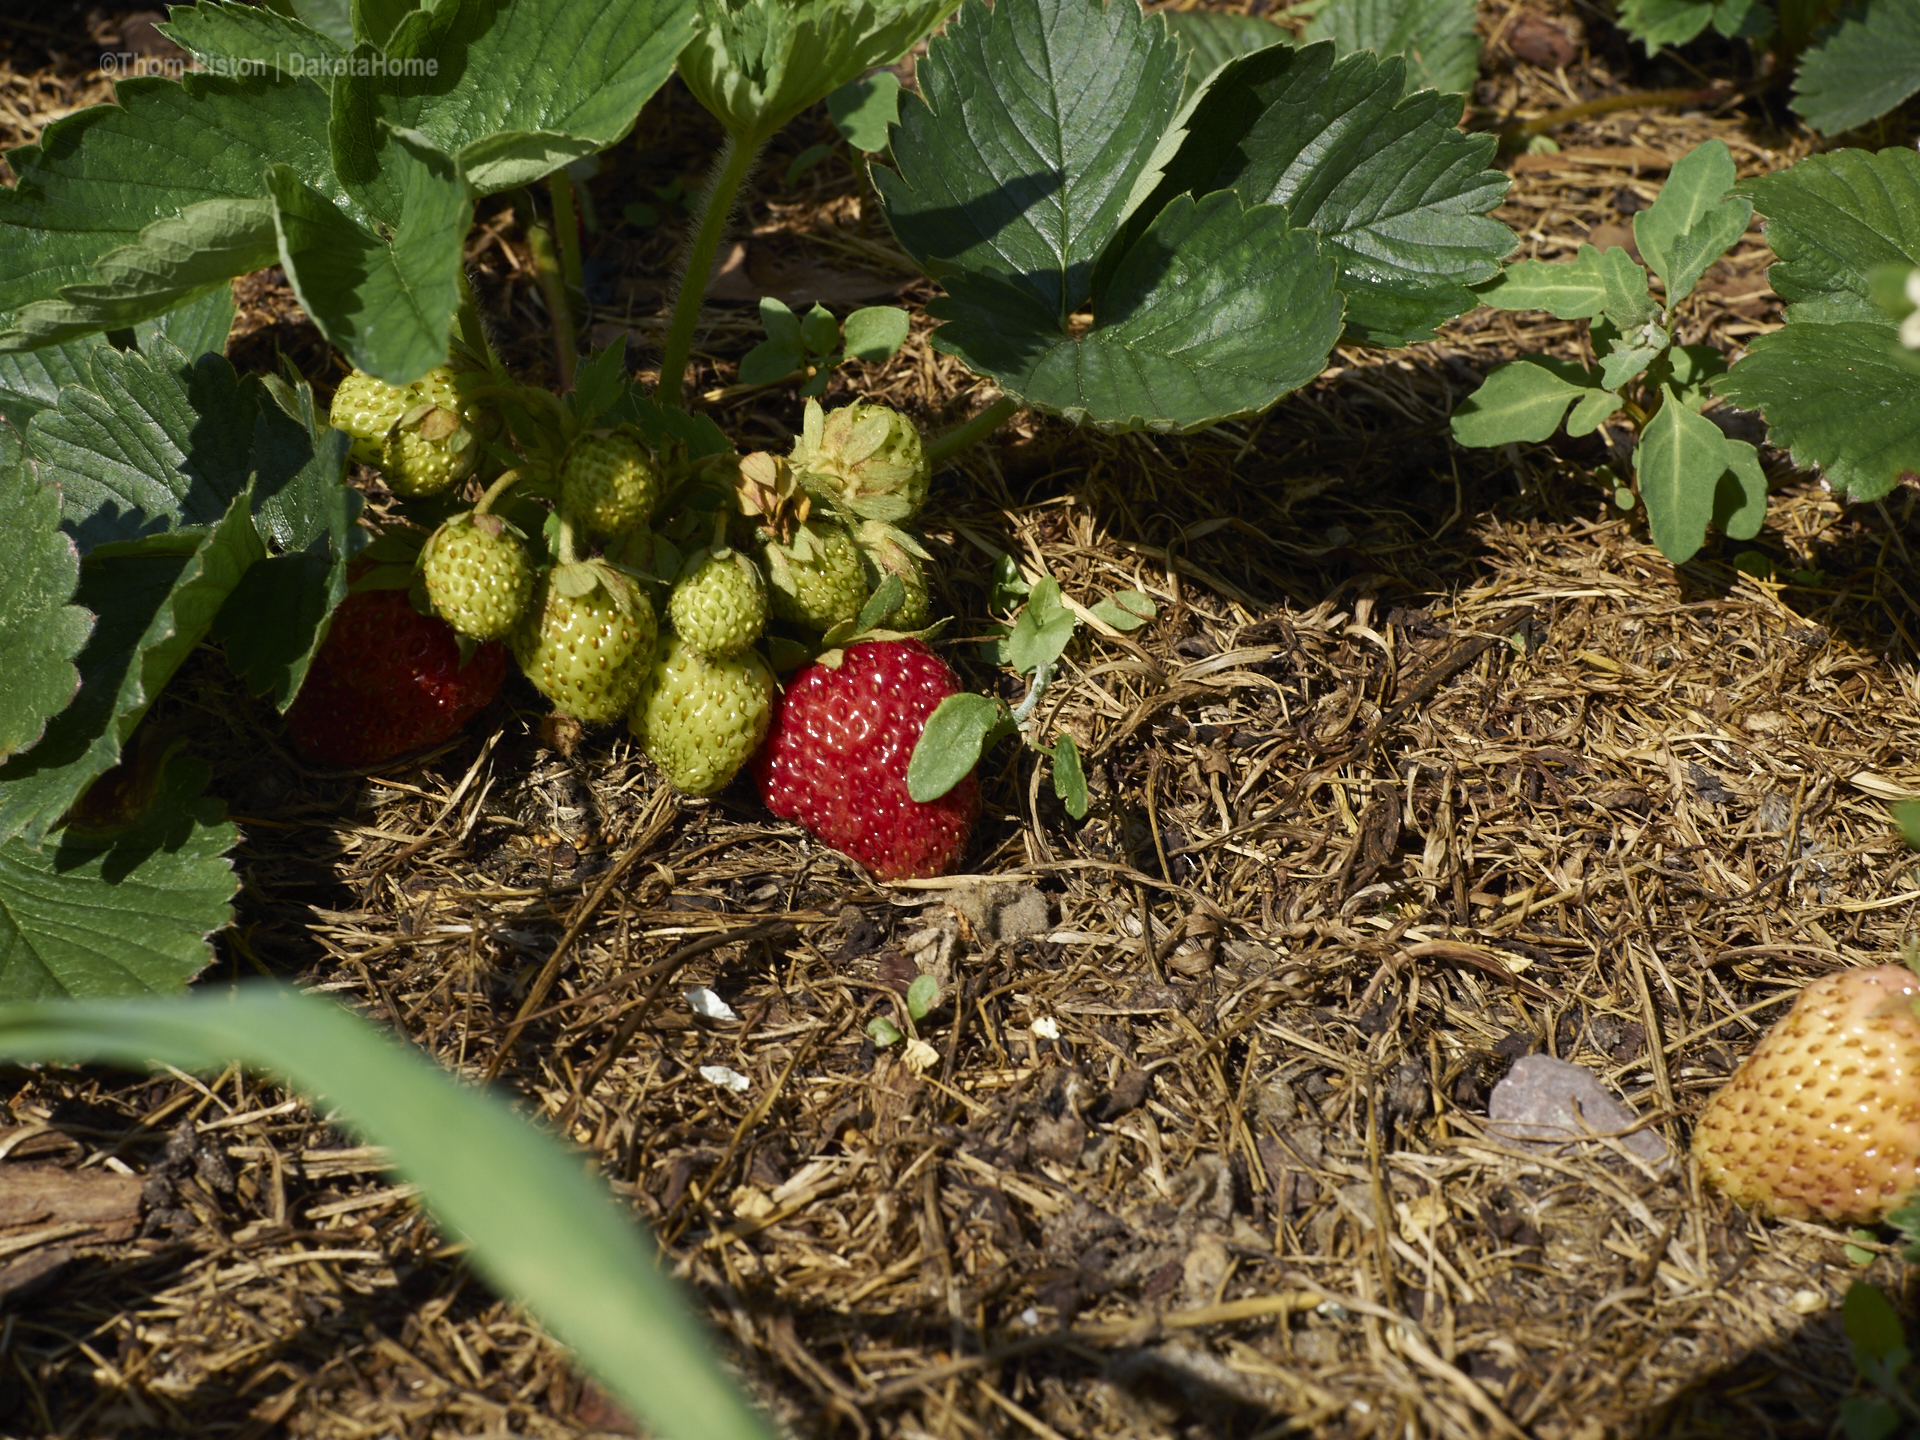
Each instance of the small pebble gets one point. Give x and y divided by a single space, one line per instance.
1546 1102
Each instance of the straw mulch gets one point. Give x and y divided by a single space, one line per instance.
1430 761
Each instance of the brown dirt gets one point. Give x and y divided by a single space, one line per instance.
1429 762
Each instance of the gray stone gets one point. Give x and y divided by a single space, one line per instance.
1546 1103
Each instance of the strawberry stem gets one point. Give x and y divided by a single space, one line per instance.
713 209
553 289
494 491
949 443
568 555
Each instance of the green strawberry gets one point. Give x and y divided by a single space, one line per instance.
609 484
719 603
893 551
587 641
701 719
477 576
816 578
866 458
366 408
435 443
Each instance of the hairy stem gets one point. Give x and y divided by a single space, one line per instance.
948 443
564 544
711 213
553 289
473 330
566 226
497 489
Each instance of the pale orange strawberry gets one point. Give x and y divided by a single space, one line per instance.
1823 1118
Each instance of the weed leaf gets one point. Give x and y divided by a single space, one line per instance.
1678 463
1522 400
1573 289
951 744
1692 223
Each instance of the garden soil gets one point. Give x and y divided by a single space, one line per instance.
1429 762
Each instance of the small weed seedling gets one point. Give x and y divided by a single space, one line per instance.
964 727
1882 1357
814 344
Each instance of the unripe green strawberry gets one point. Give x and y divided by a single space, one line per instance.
435 444
477 576
587 651
700 719
366 408
886 549
609 484
816 579
866 458
719 603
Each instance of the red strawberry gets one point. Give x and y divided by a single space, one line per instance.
836 760
386 680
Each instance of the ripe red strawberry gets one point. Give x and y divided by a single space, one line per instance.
1823 1118
386 680
836 760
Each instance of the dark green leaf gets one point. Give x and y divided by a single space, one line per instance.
1390 183
154 599
1692 222
1872 1324
1833 220
770 362
195 328
1867 1417
1435 36
150 443
1839 396
512 89
1678 464
30 380
332 18
780 323
386 299
600 382
1573 289
40 632
866 109
1043 630
951 744
819 331
757 65
923 996
1211 38
999 179
216 31
124 908
1522 400
1690 369
1069 780
374 21
1217 310
800 164
542 1227
886 598
876 332
1907 816
1655 23
1866 67
1740 499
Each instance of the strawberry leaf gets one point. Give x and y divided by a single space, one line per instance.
123 908
1391 184
164 192
1210 39
154 599
30 380
1833 220
40 632
956 735
195 328
1866 67
512 89
1435 36
757 65
212 30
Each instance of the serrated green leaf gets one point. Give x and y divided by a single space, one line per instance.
1221 310
195 328
125 912
923 996
512 89
1521 400
154 599
1867 66
756 65
1069 780
213 31
1841 397
135 175
1211 39
819 331
30 380
1573 289
374 21
1678 464
332 18
1593 409
1629 305
1833 220
876 332
40 632
1043 629
1435 36
1691 223
950 745
543 1229
866 109
386 299
1390 184
1125 610
998 180
1740 499
149 443
1655 23
600 382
